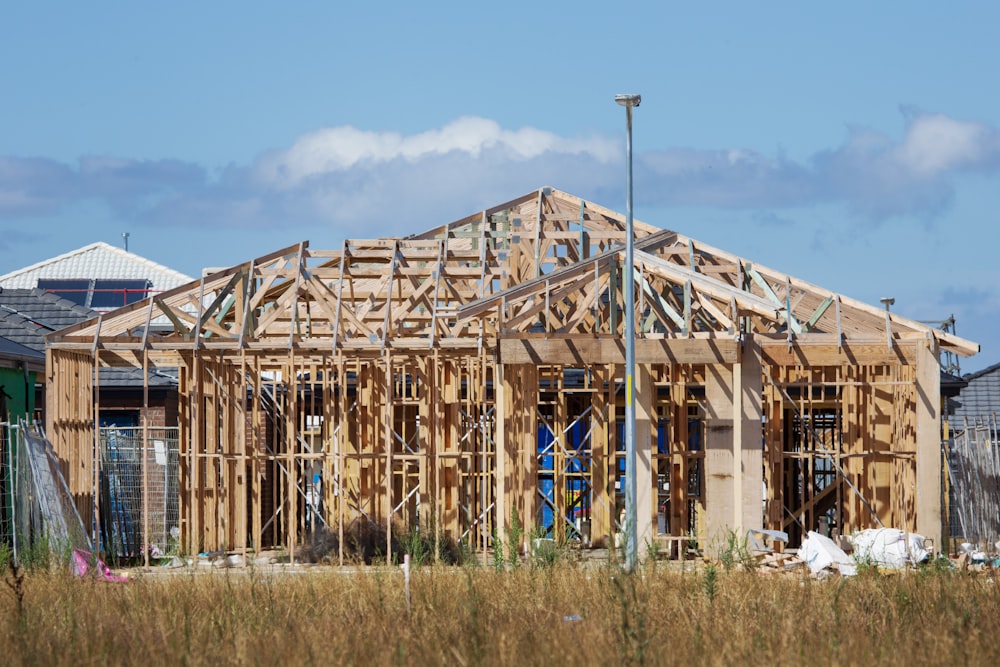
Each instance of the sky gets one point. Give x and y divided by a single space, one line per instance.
854 145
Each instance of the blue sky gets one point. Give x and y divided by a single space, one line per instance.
854 145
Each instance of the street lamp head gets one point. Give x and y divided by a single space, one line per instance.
629 100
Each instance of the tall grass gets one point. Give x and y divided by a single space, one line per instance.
553 615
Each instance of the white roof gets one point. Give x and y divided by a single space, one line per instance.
96 261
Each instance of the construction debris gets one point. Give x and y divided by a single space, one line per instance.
820 552
779 562
890 547
86 564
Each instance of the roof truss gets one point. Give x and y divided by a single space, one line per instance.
546 262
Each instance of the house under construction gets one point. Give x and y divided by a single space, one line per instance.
451 380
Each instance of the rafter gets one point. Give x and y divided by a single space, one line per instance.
546 256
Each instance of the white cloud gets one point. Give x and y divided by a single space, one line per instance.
365 183
935 143
342 148
870 173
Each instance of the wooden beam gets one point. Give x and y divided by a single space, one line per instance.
720 501
580 350
823 351
928 445
747 438
645 427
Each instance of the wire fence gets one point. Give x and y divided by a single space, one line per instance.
972 460
37 513
122 485
974 477
16 517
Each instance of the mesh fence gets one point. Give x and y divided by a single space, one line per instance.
974 476
12 507
63 528
36 509
20 514
122 485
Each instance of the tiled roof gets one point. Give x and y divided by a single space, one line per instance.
986 371
981 398
11 351
951 384
97 260
28 315
130 378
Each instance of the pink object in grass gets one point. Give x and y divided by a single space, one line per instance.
81 566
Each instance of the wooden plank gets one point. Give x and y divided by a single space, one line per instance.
826 352
387 393
502 459
929 519
580 350
536 285
645 441
720 500
602 402
145 459
747 413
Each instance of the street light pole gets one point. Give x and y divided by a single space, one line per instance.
628 284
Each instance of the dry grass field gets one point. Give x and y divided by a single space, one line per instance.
555 614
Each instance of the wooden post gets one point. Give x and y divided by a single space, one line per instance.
719 498
426 409
242 477
501 485
929 467
747 440
680 452
528 447
258 463
645 425
387 403
600 507
145 457
343 432
96 449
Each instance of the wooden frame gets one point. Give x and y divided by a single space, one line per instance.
405 381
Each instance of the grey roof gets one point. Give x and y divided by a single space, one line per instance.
28 315
130 378
11 351
981 398
952 384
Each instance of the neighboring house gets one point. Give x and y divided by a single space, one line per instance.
75 286
58 293
27 316
19 368
951 387
98 276
980 399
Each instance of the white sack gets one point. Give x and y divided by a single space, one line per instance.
820 552
887 547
